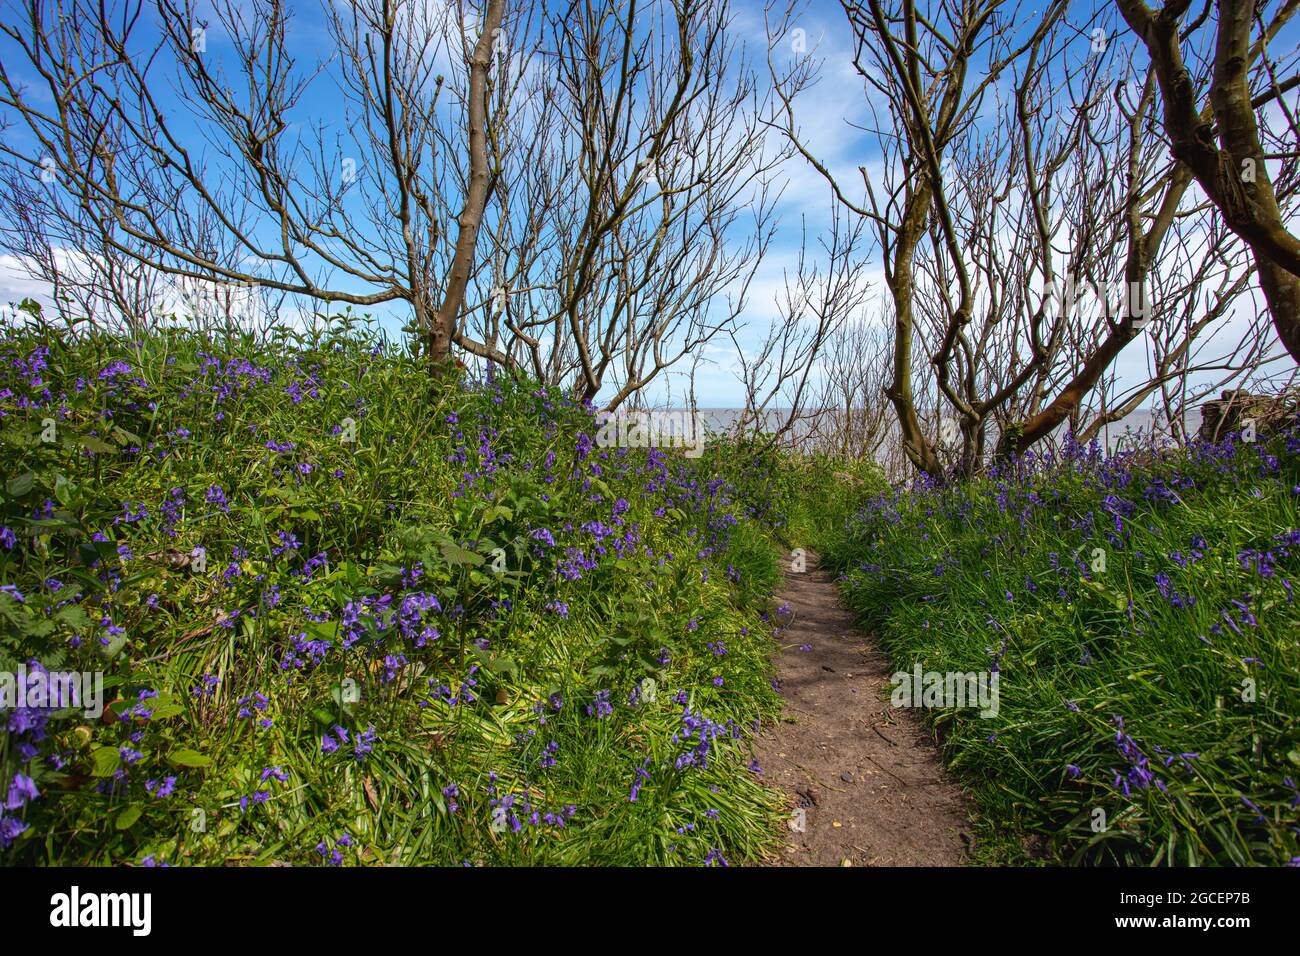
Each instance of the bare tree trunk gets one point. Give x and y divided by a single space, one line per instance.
902 288
1234 175
441 329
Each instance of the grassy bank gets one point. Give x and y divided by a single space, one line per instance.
1140 616
348 616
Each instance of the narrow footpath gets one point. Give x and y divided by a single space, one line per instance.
864 780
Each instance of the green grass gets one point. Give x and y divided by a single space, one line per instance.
442 488
1131 590
523 629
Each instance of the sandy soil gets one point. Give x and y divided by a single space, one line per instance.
866 776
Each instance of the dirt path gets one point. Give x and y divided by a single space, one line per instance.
867 776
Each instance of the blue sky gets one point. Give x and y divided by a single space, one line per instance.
827 118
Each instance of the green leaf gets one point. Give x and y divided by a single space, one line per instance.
104 760
186 757
126 819
113 647
325 630
124 437
74 615
19 486
455 554
64 490
336 693
505 666
167 710
39 628
97 445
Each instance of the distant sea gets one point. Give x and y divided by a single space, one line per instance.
1125 432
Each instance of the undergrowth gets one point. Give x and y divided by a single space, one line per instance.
346 613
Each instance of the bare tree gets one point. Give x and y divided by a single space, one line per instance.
853 420
633 216
1228 107
818 298
1015 166
231 188
921 68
